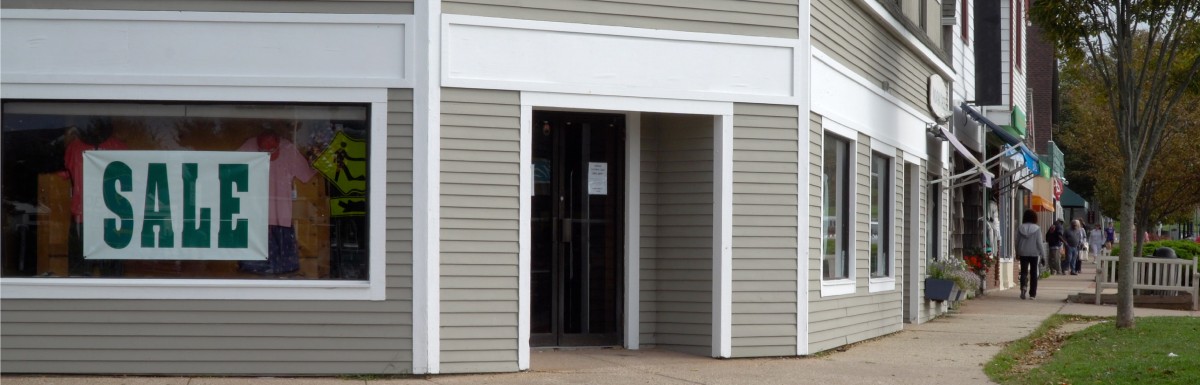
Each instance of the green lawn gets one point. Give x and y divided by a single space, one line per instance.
1101 354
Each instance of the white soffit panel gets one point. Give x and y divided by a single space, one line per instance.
480 52
206 48
841 95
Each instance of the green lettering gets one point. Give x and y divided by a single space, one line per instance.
118 173
158 208
230 236
193 235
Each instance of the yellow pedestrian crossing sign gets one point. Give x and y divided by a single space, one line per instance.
344 163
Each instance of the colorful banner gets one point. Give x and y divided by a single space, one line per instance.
175 205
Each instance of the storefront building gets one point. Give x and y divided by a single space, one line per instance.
331 187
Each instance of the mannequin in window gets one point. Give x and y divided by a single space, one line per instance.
286 165
95 135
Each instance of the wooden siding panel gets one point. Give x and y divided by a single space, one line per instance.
765 182
479 184
677 232
849 34
773 18
402 7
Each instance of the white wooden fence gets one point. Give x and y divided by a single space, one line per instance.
1153 274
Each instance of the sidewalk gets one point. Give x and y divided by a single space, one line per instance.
949 349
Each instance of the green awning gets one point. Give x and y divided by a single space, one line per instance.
1071 199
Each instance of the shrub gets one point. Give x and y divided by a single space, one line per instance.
1183 248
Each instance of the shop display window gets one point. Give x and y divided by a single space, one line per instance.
185 190
835 258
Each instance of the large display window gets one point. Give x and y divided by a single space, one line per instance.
185 190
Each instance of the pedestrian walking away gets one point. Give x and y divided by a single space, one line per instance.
1110 235
1095 242
1054 238
1075 238
1030 250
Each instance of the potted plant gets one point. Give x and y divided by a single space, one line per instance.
979 262
946 275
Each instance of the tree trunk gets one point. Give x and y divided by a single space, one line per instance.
1129 240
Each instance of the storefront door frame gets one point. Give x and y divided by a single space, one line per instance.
632 107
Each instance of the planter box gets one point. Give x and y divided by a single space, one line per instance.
939 289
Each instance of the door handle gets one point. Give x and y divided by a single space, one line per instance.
566 230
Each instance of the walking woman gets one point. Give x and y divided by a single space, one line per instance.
1030 249
1095 242
1075 239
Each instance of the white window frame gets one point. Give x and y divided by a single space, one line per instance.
224 289
888 282
848 285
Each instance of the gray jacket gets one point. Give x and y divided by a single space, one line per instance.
1075 237
1029 241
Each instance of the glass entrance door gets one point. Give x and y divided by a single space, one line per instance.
577 229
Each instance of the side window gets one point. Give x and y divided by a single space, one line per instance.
934 220
966 22
836 258
881 216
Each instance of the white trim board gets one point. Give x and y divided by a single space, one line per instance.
841 95
494 53
224 289
524 240
722 306
803 76
633 230
427 110
206 48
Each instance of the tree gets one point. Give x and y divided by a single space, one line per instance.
1172 183
1142 86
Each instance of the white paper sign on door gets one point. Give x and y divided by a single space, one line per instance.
597 178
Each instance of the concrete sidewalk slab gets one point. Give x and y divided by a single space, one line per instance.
949 349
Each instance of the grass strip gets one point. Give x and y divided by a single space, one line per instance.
1160 350
1003 368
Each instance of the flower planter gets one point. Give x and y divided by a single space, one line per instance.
937 289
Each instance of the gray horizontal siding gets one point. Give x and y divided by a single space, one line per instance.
928 310
479 229
765 182
677 198
403 7
773 18
234 337
843 30
839 320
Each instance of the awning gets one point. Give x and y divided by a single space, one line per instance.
1030 159
999 131
1041 204
1071 199
977 174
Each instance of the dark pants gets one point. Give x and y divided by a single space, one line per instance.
1054 260
1029 273
77 266
282 256
1071 265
